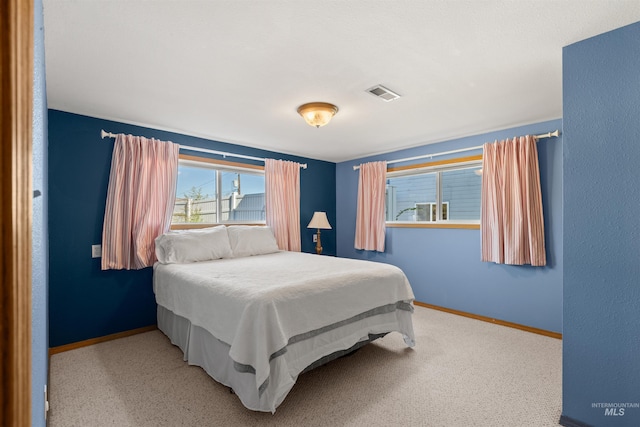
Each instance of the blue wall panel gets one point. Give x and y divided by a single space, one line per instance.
601 348
443 265
86 302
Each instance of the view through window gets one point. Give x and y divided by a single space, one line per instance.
444 193
210 193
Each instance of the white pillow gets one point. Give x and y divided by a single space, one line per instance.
247 240
193 245
194 230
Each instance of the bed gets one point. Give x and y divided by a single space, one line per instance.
254 317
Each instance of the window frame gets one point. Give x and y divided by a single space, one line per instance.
217 165
436 167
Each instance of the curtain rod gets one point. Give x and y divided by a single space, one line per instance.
553 134
104 134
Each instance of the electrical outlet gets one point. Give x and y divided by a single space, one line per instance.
315 238
96 251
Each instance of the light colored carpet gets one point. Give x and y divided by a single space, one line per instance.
462 372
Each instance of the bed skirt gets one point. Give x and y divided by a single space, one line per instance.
202 349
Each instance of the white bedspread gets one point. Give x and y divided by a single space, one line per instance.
257 304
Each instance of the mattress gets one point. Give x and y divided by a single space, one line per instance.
277 314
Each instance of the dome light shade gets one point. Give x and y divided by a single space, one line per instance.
317 113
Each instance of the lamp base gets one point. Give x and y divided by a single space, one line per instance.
318 244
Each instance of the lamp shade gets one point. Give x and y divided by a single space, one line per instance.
320 221
317 113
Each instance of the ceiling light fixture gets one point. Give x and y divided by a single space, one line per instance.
317 113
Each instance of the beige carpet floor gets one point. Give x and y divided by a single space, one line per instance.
462 372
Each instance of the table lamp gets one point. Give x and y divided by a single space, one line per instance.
319 221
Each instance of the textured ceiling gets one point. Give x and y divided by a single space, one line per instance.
235 71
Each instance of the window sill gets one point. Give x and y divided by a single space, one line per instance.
432 225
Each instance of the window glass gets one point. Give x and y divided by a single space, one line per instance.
423 212
195 195
461 192
407 196
242 197
205 189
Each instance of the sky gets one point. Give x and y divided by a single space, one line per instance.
205 179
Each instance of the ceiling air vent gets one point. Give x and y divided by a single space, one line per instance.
383 93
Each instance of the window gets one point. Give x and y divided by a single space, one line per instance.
445 193
429 211
216 192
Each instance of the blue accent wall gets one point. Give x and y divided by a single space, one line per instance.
39 231
443 265
601 348
86 302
